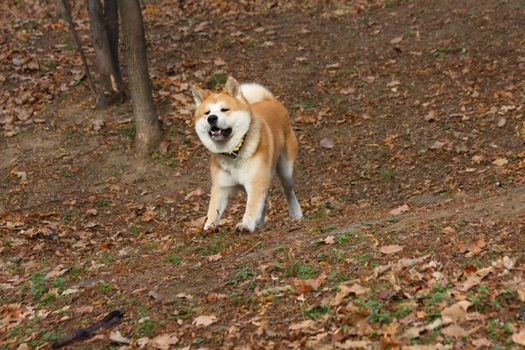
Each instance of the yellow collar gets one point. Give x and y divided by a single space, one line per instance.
236 150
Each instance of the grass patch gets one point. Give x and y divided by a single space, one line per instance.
217 79
317 311
174 258
300 270
147 327
242 275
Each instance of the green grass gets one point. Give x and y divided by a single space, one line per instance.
147 328
242 275
104 287
316 312
129 131
300 270
388 175
107 258
391 3
480 300
342 238
217 79
402 311
378 313
38 286
174 259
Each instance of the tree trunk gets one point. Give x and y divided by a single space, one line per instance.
148 133
105 41
60 9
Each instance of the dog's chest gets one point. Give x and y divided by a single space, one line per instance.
235 172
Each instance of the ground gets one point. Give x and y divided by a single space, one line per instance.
411 121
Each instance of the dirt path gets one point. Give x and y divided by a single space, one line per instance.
411 124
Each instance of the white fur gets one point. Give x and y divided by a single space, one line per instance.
254 93
238 121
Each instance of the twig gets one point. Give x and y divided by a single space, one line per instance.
251 249
76 39
109 320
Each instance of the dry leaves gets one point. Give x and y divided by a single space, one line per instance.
399 210
391 249
205 320
519 337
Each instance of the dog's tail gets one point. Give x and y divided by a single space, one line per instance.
255 93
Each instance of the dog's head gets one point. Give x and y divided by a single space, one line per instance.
221 119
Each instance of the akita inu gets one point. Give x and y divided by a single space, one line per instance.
249 135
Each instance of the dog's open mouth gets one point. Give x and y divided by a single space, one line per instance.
217 132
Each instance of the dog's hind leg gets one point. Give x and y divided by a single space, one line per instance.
285 168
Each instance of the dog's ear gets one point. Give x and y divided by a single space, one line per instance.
198 94
233 88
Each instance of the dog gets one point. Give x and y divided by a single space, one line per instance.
249 135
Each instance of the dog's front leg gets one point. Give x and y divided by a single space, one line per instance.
218 203
255 206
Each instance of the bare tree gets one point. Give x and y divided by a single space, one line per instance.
148 133
103 19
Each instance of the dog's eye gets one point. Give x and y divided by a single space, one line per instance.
208 112
224 110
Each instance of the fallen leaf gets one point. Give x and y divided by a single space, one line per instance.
437 145
455 331
70 291
116 337
205 320
164 146
98 124
481 343
347 91
58 271
22 175
402 209
195 193
164 341
215 257
500 162
329 240
302 325
430 117
501 122
333 66
472 249
219 61
327 143
306 286
391 249
353 344
156 295
519 338
396 40
456 312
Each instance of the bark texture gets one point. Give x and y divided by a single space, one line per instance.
149 134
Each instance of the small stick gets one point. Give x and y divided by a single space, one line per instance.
109 320
76 39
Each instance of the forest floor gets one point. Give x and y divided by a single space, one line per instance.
411 121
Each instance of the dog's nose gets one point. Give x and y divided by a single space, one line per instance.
212 119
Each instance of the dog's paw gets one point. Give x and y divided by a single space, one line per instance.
210 229
241 228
